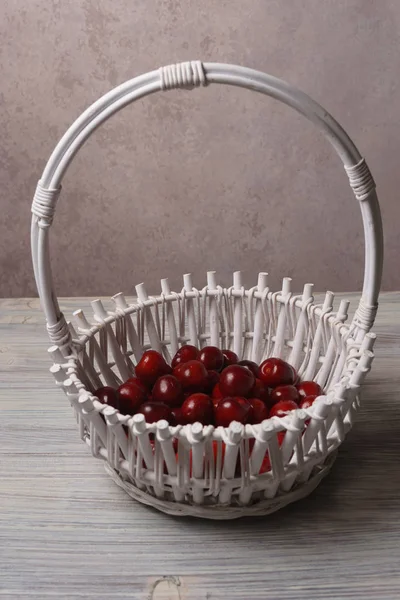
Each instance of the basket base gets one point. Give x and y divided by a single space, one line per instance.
223 512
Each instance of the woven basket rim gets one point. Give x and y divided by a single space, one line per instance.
271 425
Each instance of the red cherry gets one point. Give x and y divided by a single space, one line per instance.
259 411
184 354
155 411
212 381
137 382
216 393
230 358
177 416
260 391
198 407
247 405
236 381
107 395
212 358
131 397
229 410
169 390
308 388
216 401
308 401
150 367
250 364
282 408
275 371
192 374
284 392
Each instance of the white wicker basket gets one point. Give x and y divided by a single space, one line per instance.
202 480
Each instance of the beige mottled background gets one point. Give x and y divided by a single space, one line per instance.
214 179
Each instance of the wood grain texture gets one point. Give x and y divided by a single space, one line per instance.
66 531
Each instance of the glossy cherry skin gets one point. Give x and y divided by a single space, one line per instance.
107 395
151 366
259 411
212 358
284 392
198 408
137 382
308 401
282 408
229 410
132 397
155 411
230 358
250 364
260 391
275 371
236 381
184 354
247 405
308 388
168 389
193 375
216 396
216 393
177 416
212 381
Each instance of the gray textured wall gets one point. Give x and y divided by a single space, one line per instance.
214 179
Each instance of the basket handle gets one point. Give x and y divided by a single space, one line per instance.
187 76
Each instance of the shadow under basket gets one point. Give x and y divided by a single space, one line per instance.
198 470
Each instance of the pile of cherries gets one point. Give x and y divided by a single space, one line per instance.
210 386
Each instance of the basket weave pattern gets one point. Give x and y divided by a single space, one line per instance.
194 469
255 323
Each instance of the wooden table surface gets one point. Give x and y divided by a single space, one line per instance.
66 531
